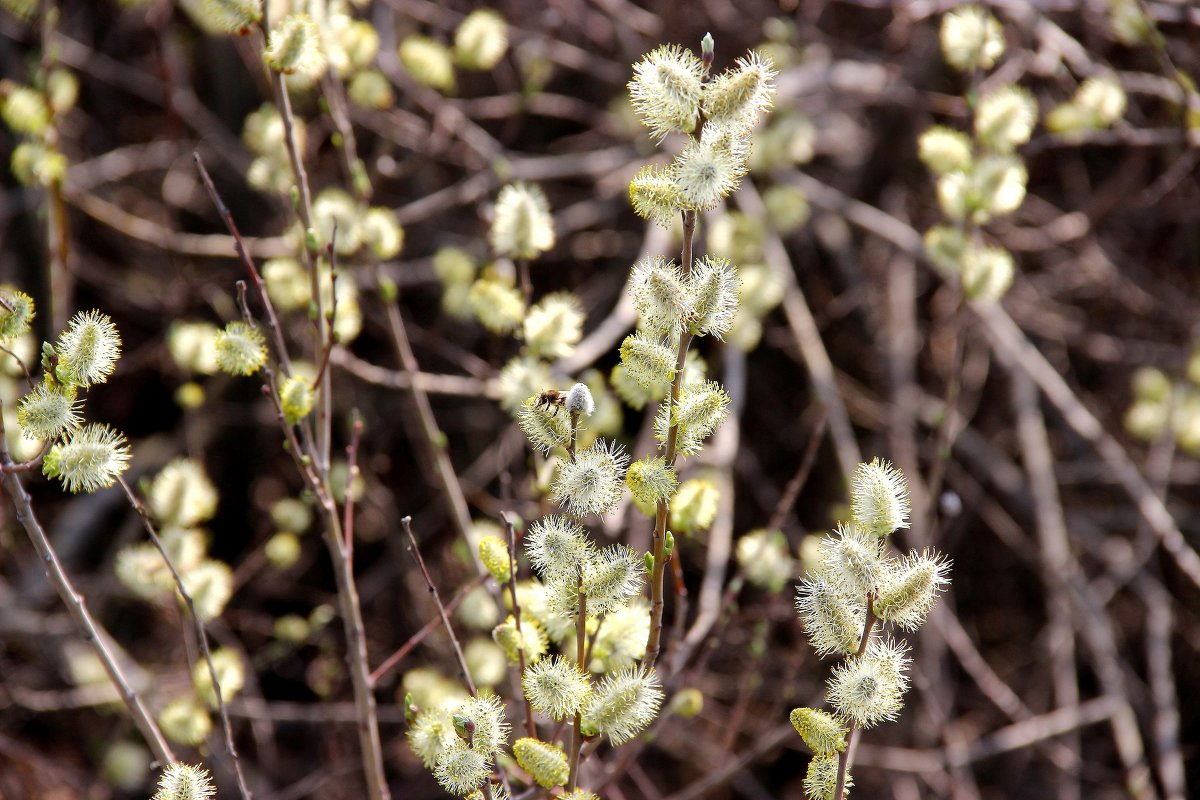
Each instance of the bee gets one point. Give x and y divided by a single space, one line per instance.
551 399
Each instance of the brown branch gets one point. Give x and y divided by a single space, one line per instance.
201 636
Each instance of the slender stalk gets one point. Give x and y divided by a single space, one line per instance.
356 657
662 513
530 724
580 645
428 628
201 636
437 600
846 755
93 633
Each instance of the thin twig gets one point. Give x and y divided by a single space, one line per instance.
433 592
580 645
530 724
428 628
847 754
201 635
663 511
92 632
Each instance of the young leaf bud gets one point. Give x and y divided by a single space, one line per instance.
879 498
971 39
823 733
623 704
522 227
294 47
241 349
481 40
655 196
666 89
493 552
88 349
545 763
911 589
183 782
869 688
88 458
556 687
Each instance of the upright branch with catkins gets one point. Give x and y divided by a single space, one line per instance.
673 92
847 600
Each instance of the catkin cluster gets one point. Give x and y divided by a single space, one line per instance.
854 592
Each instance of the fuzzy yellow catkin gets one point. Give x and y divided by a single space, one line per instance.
294 47
241 349
296 397
544 762
16 312
820 781
88 458
822 732
48 410
481 40
185 721
184 782
493 552
231 676
87 349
